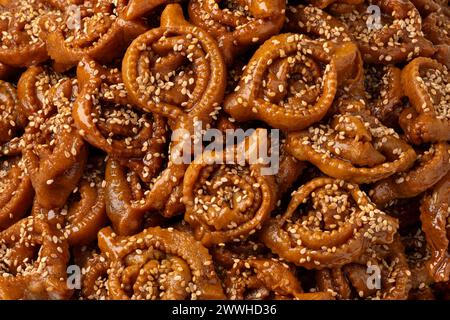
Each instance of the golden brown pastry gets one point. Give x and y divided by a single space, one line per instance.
176 71
55 154
158 264
229 201
328 223
224 149
238 25
259 279
435 214
396 37
290 82
355 147
33 262
100 32
426 83
382 273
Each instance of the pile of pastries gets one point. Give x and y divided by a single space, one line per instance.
95 204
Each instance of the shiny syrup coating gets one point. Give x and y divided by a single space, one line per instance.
107 108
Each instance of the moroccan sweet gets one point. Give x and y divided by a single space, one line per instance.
54 153
430 167
434 217
239 25
107 120
426 83
227 202
159 264
355 147
328 223
16 192
33 262
394 36
24 25
290 82
176 70
385 93
97 29
224 149
353 280
266 279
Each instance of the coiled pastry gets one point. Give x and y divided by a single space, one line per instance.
355 147
328 223
290 82
158 264
426 84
